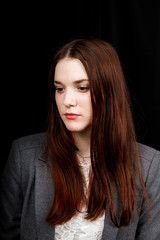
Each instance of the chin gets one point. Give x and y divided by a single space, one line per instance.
78 129
71 129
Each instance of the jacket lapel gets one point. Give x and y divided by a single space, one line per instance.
43 198
109 231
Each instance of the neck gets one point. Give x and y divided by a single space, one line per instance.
82 142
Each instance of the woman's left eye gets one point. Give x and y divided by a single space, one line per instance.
83 89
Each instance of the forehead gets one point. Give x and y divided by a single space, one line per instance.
70 68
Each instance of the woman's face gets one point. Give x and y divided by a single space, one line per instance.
72 95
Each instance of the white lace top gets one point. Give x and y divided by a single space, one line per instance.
78 227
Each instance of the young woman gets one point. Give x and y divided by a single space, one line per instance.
86 177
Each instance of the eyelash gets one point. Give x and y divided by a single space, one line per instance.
81 89
59 89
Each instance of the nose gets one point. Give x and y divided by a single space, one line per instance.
70 99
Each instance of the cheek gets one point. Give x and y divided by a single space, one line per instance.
87 104
90 108
58 102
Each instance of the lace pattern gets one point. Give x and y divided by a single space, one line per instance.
78 227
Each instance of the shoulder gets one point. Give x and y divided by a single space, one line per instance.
26 151
146 152
30 141
149 160
24 155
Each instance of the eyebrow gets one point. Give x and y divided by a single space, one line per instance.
76 81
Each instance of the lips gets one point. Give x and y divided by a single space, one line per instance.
71 115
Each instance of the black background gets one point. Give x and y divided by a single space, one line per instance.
30 33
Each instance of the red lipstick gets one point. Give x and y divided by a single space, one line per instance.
71 115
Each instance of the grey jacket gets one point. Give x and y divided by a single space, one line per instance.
27 191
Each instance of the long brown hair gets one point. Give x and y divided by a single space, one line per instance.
114 155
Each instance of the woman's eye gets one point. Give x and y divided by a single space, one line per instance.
59 89
83 89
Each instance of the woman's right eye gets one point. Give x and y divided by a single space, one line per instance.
59 89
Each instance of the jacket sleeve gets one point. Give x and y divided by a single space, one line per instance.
10 198
149 225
